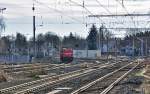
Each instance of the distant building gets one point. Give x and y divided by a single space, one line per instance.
108 47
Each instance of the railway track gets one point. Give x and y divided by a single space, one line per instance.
35 85
65 68
78 75
48 68
67 86
28 68
104 84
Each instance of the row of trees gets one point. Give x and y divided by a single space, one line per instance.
45 42
97 37
139 34
20 44
2 23
136 38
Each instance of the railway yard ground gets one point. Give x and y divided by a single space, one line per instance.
74 46
120 76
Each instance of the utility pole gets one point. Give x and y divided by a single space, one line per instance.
116 52
101 37
34 28
133 46
2 27
122 3
107 46
99 49
142 47
146 50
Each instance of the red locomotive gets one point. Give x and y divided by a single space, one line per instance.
66 55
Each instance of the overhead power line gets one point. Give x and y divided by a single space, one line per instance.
83 6
130 28
119 15
56 10
103 6
122 4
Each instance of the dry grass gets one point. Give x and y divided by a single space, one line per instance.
146 84
2 78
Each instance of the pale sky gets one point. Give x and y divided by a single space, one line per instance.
64 16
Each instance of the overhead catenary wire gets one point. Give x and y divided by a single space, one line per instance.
122 4
62 13
56 10
103 6
85 9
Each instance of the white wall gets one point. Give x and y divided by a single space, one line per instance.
86 53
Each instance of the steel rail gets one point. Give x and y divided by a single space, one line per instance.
67 77
118 80
29 67
52 78
55 67
100 79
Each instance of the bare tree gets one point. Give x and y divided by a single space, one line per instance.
2 27
2 24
